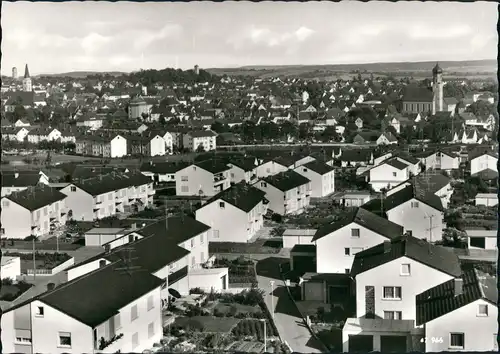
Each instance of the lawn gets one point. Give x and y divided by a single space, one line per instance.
42 260
254 328
9 291
241 270
317 216
330 336
257 247
207 324
236 309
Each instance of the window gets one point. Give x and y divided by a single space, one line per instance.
135 340
133 313
405 269
347 271
5 202
45 211
201 239
392 315
268 170
39 311
185 189
482 310
150 302
215 233
347 251
222 205
354 232
457 340
151 329
394 174
73 188
355 250
65 339
23 336
2 231
192 242
305 169
118 322
263 184
202 257
193 261
414 204
232 175
392 292
184 178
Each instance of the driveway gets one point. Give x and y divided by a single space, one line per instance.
287 318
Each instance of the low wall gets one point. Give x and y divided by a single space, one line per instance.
55 270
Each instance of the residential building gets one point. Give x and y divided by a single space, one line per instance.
10 267
145 145
205 178
269 168
162 172
108 195
483 161
16 181
420 212
482 239
387 138
242 169
287 192
460 314
414 166
113 146
107 310
33 211
14 133
195 140
235 214
356 157
487 199
388 174
390 275
37 135
321 175
440 160
436 183
337 243
354 198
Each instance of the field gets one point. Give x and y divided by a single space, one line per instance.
459 69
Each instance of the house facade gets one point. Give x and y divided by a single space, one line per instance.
322 177
202 179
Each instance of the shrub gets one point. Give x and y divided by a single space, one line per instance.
232 311
277 218
197 291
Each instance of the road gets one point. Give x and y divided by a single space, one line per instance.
287 318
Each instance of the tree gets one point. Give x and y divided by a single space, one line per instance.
200 148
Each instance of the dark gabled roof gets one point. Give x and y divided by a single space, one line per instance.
19 179
201 133
213 166
245 163
477 152
441 299
402 196
286 180
395 163
240 195
363 218
437 257
361 155
96 297
112 182
431 182
80 172
163 167
180 229
417 94
407 158
37 197
318 167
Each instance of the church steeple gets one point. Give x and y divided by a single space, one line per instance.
26 72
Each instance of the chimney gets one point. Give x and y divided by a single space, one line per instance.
387 246
51 286
133 226
458 286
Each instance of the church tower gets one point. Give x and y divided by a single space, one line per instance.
437 89
27 80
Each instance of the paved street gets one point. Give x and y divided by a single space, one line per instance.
286 315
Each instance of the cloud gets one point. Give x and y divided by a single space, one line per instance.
265 37
303 33
145 38
93 42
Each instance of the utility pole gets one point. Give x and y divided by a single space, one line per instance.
166 231
34 258
430 217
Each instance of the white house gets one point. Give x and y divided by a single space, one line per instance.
287 192
460 314
388 174
386 139
162 172
121 311
418 211
205 178
242 169
10 268
483 160
488 199
321 175
293 237
440 160
269 168
338 243
390 275
33 211
356 157
482 239
21 180
235 214
195 140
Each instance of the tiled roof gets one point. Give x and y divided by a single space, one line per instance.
358 155
437 257
163 167
395 163
212 165
287 180
318 167
241 195
111 182
363 218
116 289
201 133
417 94
441 299
245 163
402 196
37 197
23 179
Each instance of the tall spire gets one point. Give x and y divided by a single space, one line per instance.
26 72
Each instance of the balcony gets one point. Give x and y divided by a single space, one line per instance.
103 343
151 192
219 178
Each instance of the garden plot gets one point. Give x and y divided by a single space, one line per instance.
207 324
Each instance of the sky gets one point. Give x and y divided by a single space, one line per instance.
127 36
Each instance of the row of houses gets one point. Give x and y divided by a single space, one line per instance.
106 304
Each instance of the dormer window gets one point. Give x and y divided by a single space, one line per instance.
263 184
414 204
305 170
222 205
